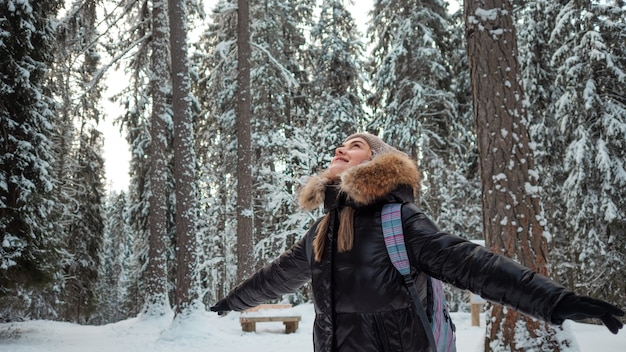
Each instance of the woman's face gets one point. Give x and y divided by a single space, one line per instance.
351 153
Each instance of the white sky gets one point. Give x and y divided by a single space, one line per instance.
116 149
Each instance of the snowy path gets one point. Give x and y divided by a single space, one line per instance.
208 332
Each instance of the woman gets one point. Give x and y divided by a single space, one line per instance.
361 302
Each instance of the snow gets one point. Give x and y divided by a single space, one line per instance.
206 331
487 15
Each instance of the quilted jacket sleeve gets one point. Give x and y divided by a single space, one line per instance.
284 275
473 267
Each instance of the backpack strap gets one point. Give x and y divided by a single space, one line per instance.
391 216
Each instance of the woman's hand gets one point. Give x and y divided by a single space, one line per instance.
578 307
221 307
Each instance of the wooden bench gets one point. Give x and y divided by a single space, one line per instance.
248 322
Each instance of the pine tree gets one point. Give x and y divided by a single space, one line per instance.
187 283
337 89
410 75
132 20
146 64
115 268
455 201
157 299
534 27
215 60
80 164
510 197
85 230
28 260
590 115
279 107
243 127
417 104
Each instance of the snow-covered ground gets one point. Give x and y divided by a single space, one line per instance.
207 332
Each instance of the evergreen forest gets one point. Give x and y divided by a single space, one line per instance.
223 132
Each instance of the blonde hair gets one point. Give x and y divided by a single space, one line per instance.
345 237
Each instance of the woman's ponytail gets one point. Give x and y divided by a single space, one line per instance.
345 238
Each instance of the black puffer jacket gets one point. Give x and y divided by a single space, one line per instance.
360 300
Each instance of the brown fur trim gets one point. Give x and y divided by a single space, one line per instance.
372 180
312 193
366 182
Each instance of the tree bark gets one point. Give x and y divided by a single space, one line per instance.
156 272
245 255
512 211
187 283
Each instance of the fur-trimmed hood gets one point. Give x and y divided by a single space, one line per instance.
365 183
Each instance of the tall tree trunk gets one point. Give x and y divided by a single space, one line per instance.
512 212
156 281
245 255
187 286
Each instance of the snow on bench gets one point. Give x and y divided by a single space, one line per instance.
266 313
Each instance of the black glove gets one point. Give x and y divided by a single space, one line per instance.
578 307
221 307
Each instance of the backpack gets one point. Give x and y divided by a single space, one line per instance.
436 320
